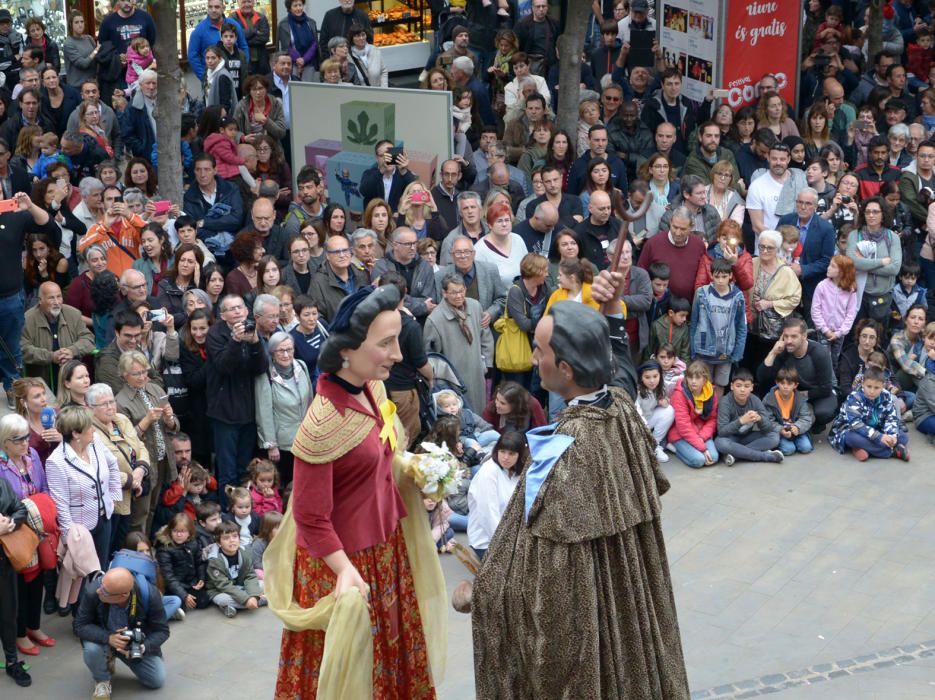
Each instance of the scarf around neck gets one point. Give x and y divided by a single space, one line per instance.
461 316
302 36
703 403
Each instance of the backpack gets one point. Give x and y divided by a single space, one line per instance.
143 568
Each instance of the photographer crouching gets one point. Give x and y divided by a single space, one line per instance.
116 620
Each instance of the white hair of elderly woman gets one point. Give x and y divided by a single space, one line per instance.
771 236
12 425
97 393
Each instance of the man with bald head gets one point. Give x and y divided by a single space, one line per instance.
536 231
275 241
53 334
598 230
841 113
111 606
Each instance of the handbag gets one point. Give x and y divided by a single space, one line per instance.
20 546
513 352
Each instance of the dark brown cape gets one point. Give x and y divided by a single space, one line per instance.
577 602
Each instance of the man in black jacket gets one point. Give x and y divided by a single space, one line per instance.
337 22
386 179
111 607
235 357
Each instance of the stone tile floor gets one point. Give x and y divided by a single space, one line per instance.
817 574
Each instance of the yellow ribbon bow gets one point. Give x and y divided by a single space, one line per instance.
388 412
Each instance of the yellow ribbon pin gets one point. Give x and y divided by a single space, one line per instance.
388 412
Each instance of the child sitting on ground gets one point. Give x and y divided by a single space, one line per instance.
193 487
745 429
136 541
653 402
673 368
241 513
440 521
695 405
790 410
672 328
264 487
208 518
180 560
269 526
476 433
232 582
446 432
868 422
881 362
492 487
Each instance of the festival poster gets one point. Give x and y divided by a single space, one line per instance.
688 34
762 37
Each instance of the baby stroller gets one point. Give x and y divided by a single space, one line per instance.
446 377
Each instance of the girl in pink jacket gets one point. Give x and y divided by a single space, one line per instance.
264 487
695 404
835 305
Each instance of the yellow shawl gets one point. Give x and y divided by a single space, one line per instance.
347 663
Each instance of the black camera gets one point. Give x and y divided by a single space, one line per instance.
135 637
845 199
249 326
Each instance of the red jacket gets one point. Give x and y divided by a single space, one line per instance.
172 495
225 154
688 424
742 276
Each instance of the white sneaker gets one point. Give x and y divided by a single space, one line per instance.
179 615
661 455
101 691
729 460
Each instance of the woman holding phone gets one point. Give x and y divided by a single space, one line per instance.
147 406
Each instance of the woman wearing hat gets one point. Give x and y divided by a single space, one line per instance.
347 530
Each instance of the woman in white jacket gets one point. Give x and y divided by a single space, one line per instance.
492 487
282 394
367 57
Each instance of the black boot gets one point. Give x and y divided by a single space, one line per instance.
49 582
18 674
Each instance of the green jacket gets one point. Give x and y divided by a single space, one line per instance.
909 193
242 588
36 340
695 164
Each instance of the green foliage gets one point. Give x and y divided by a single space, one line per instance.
362 131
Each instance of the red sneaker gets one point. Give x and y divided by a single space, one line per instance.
861 454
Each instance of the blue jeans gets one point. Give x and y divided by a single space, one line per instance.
233 449
800 443
171 603
150 671
927 426
856 441
692 457
458 522
12 310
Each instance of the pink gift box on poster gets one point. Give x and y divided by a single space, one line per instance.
319 151
424 165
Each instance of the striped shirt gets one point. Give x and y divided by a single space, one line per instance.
83 490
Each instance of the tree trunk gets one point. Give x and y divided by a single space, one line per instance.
874 36
168 110
570 46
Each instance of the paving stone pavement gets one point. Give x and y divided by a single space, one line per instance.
814 579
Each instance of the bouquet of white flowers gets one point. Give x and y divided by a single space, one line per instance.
437 472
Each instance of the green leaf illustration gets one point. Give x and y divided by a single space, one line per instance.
353 134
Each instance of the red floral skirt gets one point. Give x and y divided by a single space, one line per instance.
400 658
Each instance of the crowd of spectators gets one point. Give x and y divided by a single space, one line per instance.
158 357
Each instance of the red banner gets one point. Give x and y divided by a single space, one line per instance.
760 38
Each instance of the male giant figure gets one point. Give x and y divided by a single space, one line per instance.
574 599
